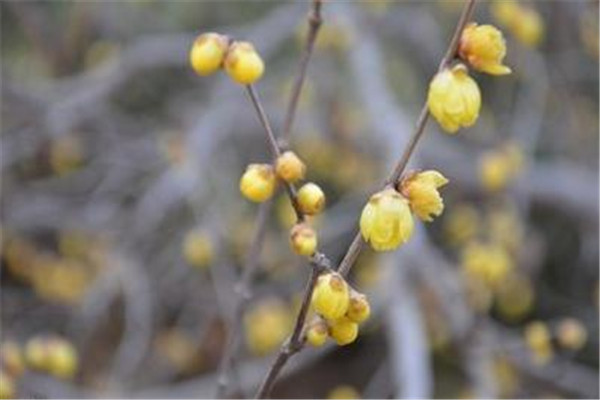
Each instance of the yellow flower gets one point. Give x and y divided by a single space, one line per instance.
243 64
344 391
258 182
36 353
421 189
494 171
331 296
208 52
484 47
525 23
537 338
62 358
515 297
317 332
311 199
461 223
488 262
7 385
571 334
267 326
454 98
386 221
12 358
344 331
198 248
303 239
289 167
359 308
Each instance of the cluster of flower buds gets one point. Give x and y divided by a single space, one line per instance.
53 355
386 221
212 51
340 309
454 98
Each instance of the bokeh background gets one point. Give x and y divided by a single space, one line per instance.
124 233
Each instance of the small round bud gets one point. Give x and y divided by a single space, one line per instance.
488 262
344 331
289 167
421 189
266 326
258 182
494 171
36 353
243 64
303 239
12 358
311 199
454 98
331 296
207 53
386 221
537 338
571 334
317 333
198 249
359 308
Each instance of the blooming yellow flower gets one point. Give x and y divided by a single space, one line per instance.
421 189
258 182
359 308
208 52
488 262
317 332
386 221
290 167
454 98
243 64
311 199
484 47
303 239
344 331
331 296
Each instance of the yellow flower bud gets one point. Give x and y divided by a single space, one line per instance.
528 27
515 297
208 52
386 221
484 47
487 262
344 331
62 358
423 195
495 171
461 224
36 353
243 64
289 167
345 391
331 296
198 248
303 239
537 338
311 199
454 98
258 182
317 333
7 386
571 334
266 326
12 358
359 308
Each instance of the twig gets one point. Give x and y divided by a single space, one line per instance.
357 243
314 23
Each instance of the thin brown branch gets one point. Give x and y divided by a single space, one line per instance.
314 23
357 243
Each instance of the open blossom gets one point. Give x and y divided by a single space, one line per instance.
386 221
423 195
454 98
484 48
